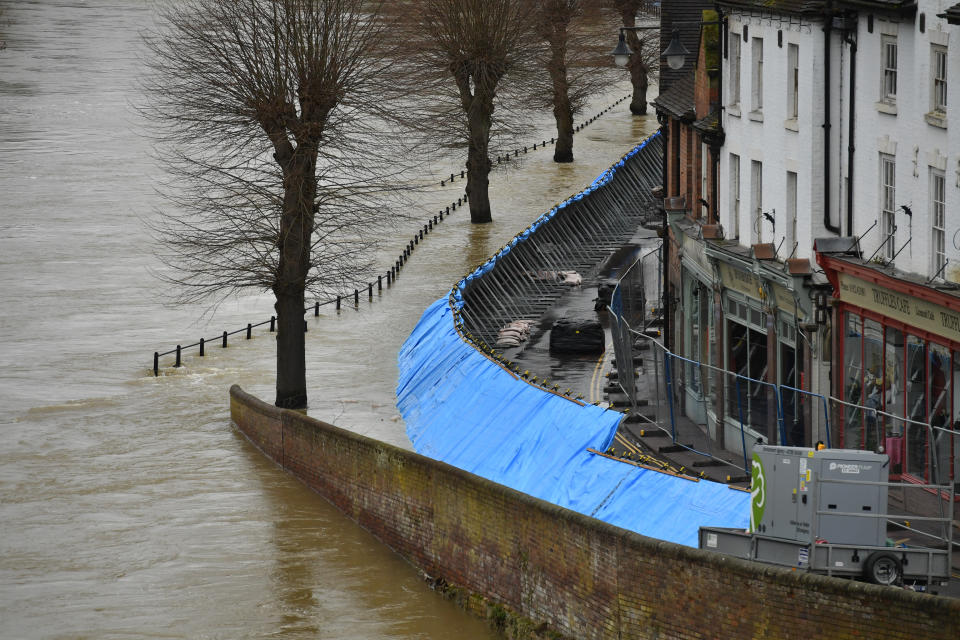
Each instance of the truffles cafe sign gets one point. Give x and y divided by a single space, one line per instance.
898 306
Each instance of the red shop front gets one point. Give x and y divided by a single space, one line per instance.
897 347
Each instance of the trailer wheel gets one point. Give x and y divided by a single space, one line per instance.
882 568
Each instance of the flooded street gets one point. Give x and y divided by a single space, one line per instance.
128 505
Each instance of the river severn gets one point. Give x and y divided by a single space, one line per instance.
129 507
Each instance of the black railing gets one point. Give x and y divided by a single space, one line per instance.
390 276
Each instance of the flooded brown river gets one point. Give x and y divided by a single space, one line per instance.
128 505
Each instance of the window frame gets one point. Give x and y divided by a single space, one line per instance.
756 84
888 203
938 78
793 81
735 199
889 54
938 192
735 62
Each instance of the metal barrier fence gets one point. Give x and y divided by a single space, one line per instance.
721 414
521 282
390 276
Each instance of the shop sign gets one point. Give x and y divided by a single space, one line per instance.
695 250
911 311
749 284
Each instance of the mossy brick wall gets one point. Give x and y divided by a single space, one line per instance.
570 574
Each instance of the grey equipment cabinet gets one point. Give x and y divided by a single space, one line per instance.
825 511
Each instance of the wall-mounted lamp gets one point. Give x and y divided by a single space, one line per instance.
820 308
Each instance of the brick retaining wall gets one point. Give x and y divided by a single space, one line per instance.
539 570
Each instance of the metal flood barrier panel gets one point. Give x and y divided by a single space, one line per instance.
464 407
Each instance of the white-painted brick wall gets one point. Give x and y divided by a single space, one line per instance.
917 144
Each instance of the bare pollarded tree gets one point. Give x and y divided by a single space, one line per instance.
271 117
474 64
573 60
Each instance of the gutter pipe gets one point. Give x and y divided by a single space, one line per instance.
852 122
827 31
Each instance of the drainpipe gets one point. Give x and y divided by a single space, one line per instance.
665 245
847 37
722 31
827 30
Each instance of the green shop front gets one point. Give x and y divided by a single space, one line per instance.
739 314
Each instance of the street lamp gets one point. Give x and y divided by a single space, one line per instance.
621 55
675 53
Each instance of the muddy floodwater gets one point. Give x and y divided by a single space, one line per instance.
128 505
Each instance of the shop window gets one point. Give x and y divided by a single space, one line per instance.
790 399
853 419
916 388
749 400
893 385
940 383
694 336
954 448
873 384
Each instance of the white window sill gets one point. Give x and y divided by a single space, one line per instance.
887 107
756 116
936 119
734 110
791 124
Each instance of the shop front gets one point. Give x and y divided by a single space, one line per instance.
761 356
897 351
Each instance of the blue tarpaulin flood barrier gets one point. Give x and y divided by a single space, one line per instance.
465 409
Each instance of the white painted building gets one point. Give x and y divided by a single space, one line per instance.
906 163
772 165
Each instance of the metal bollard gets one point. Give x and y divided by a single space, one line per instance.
201 347
370 290
451 177
316 309
224 345
380 282
156 363
356 297
338 303
448 210
454 207
273 321
443 183
249 329
430 224
177 364
458 200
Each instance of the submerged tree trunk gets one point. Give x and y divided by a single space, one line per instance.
479 106
639 77
294 242
638 66
562 109
563 114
